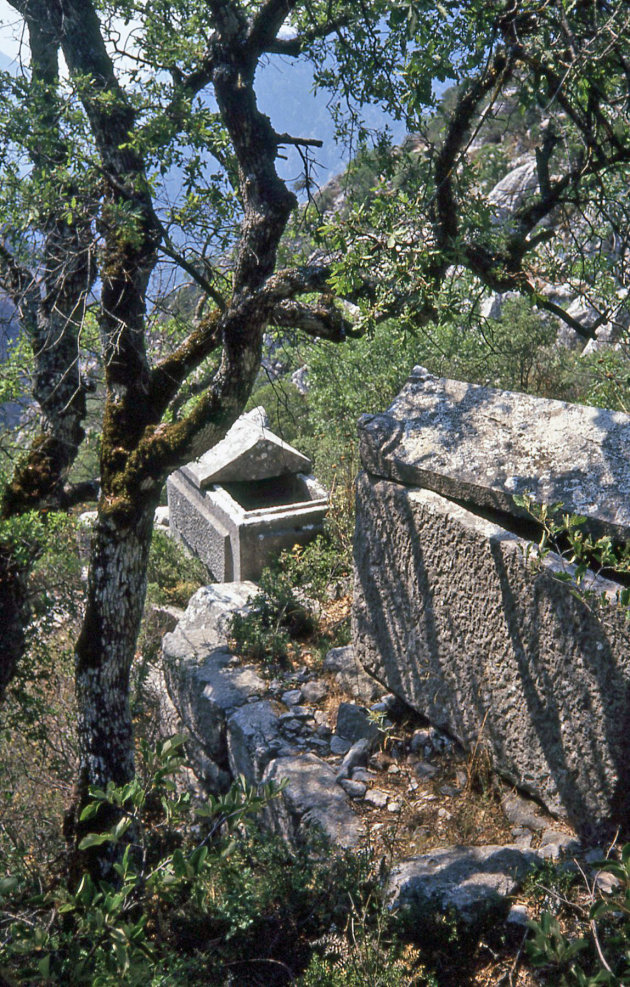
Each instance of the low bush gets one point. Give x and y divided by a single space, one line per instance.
196 894
172 575
274 616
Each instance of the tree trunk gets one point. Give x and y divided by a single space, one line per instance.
14 610
105 649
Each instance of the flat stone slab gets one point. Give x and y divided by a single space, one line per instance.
249 452
482 445
451 615
475 881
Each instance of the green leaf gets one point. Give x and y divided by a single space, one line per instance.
44 967
89 811
95 839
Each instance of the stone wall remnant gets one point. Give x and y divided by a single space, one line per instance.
450 614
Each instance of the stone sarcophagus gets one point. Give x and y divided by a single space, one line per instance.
452 616
245 500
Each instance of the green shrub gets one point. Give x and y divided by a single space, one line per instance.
597 952
172 575
273 617
197 893
109 932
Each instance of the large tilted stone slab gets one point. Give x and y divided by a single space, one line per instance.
482 446
451 616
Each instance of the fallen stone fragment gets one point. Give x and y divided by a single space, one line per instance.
475 882
420 740
606 882
310 797
206 620
355 789
339 745
554 844
425 770
521 812
350 674
354 723
377 798
290 725
356 757
361 774
160 518
292 697
314 691
518 915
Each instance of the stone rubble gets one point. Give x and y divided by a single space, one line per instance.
240 723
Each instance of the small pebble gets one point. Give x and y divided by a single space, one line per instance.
355 789
377 797
449 790
425 770
419 741
291 726
362 774
339 746
606 882
518 915
292 697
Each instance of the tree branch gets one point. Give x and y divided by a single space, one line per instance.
293 47
321 320
167 248
446 205
298 141
266 24
291 281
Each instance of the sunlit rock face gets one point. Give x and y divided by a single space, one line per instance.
451 614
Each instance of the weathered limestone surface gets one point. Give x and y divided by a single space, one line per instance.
311 796
482 446
249 450
449 614
236 729
474 881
